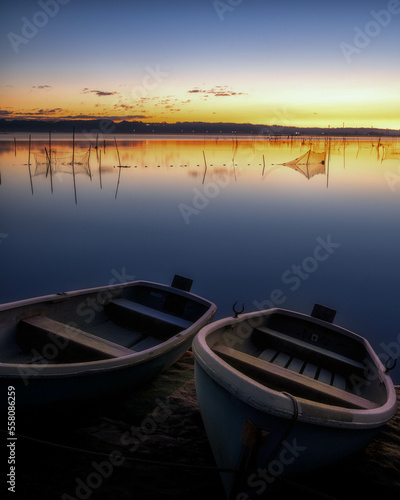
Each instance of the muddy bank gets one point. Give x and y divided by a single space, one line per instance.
152 444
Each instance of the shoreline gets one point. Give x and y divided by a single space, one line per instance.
159 439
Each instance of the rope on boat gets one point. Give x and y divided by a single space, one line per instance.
288 430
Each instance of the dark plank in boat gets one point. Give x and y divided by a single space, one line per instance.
122 305
35 331
288 380
302 347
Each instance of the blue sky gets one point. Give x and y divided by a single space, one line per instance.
146 58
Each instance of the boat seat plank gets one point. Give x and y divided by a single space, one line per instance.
283 379
268 354
282 359
39 329
310 370
325 376
308 347
135 307
146 343
109 330
339 381
296 365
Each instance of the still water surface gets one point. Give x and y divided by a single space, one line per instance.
221 211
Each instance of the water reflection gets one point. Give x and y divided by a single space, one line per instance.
231 213
206 159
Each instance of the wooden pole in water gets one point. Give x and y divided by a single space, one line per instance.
263 164
73 145
116 146
15 146
29 163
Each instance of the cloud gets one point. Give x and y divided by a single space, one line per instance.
42 87
36 113
218 91
103 117
100 93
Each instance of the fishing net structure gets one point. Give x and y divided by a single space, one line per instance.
309 164
51 163
391 152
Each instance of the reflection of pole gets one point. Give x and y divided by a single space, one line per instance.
101 186
329 160
205 167
49 169
73 145
73 163
119 161
344 153
50 150
29 164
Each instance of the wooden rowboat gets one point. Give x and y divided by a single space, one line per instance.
74 345
282 392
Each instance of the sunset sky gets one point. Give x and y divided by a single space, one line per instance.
290 62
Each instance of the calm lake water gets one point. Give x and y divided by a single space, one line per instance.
218 210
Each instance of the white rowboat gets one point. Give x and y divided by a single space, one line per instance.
74 345
282 392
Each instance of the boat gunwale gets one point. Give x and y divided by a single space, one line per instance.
278 403
43 371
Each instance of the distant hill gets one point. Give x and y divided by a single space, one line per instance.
104 126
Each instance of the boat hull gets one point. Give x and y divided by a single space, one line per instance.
33 390
302 449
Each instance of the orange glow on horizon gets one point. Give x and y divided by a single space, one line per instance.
315 108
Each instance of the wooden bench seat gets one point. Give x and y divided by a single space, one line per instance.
306 368
135 307
302 347
67 342
283 379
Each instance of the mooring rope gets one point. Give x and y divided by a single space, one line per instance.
131 459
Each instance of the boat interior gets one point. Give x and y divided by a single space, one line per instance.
306 359
103 325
